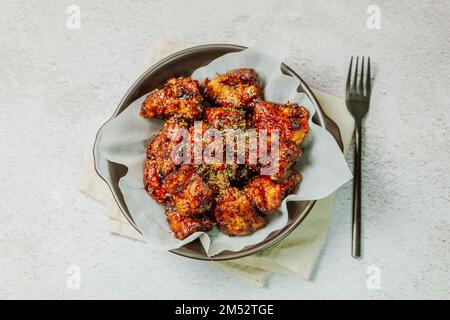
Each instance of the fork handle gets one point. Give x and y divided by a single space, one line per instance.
356 220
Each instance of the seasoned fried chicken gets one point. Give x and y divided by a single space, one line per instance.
153 181
166 159
267 195
162 159
215 171
187 198
174 126
195 197
178 97
281 160
264 194
176 181
290 119
163 148
234 89
291 182
184 226
225 118
235 214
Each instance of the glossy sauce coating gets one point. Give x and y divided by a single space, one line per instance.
235 195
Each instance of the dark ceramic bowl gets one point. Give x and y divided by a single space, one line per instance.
183 63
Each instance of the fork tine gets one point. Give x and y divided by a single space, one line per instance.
361 78
368 84
356 75
349 77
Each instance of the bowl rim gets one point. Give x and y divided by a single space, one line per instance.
320 116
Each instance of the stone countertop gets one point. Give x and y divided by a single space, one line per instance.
58 85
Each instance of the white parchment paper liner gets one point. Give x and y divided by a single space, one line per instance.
124 140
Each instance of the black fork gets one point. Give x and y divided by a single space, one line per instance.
358 97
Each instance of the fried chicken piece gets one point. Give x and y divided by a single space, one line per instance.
183 226
170 132
174 126
194 198
225 118
234 89
156 144
196 135
288 154
166 158
290 119
281 160
174 182
267 195
162 160
264 194
178 97
275 159
292 182
153 181
185 188
163 152
163 148
235 214
189 198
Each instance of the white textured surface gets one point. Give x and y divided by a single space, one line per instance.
57 86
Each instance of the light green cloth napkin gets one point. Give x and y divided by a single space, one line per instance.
295 255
